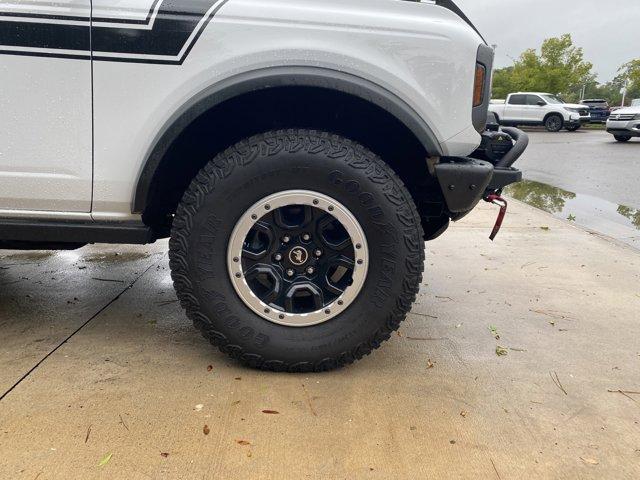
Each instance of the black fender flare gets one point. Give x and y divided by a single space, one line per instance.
271 78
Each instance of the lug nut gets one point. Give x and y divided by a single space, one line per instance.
310 270
306 237
290 273
318 253
277 257
286 239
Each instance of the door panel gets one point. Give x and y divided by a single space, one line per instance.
45 106
517 108
535 112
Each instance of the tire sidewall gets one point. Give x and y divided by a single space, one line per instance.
547 124
350 175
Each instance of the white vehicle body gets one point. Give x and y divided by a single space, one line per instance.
534 108
75 133
298 153
624 123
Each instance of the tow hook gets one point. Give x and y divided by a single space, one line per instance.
496 199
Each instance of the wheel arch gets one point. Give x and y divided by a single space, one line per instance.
557 114
270 78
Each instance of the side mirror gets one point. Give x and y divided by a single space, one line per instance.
541 103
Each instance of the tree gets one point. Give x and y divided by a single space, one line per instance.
503 82
560 67
629 75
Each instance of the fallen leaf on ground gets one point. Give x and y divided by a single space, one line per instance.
494 332
545 228
164 454
209 368
271 412
501 351
106 459
463 414
243 442
430 364
206 430
198 407
590 461
237 402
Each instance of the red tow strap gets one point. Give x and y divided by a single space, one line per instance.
502 203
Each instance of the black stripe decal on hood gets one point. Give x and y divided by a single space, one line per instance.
176 29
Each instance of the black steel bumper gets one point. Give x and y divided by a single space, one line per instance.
466 181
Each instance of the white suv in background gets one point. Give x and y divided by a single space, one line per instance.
625 123
535 108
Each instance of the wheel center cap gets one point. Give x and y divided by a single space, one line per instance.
298 256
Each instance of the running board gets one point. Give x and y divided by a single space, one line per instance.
49 231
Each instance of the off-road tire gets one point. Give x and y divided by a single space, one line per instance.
622 138
554 123
279 161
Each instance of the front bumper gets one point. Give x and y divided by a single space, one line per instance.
465 181
576 120
624 127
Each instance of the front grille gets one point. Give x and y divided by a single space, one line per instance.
622 116
584 113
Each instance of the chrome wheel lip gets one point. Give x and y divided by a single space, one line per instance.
315 200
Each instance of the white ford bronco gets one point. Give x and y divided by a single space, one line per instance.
298 153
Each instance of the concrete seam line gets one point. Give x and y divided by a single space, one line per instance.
95 315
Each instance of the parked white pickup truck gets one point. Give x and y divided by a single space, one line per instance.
534 108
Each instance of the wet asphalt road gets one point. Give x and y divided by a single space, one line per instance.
586 162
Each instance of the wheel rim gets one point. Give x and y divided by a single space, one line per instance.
298 258
554 123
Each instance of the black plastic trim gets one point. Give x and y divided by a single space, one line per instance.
479 114
463 182
503 177
450 5
272 78
52 231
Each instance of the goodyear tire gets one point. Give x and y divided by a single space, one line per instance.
297 251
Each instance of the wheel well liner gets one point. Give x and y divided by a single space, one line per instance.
271 78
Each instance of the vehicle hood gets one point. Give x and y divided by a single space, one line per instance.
627 110
574 105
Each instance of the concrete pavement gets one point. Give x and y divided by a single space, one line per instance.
136 390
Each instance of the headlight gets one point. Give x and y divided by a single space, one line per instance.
574 110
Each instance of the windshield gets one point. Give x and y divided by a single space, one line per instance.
552 99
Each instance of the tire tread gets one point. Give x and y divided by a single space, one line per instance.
314 142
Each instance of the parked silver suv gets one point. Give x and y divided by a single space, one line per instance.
624 123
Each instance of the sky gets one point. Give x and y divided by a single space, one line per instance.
607 30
